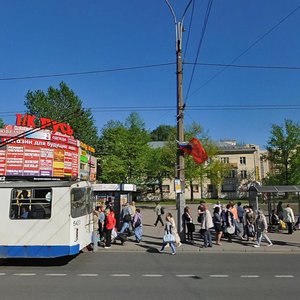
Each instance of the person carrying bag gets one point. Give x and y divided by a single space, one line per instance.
168 238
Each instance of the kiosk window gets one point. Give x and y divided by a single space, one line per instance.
31 203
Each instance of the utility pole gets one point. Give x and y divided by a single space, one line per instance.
179 168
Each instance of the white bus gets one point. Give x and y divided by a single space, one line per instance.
40 219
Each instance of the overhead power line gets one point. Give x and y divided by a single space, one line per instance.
248 48
208 9
74 114
197 107
105 109
87 72
149 66
245 66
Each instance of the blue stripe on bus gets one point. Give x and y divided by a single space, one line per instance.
37 251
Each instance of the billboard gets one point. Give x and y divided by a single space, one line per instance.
42 153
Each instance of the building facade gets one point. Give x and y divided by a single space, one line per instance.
245 164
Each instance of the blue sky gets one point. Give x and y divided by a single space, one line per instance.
59 37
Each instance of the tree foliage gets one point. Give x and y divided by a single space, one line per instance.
1 123
123 150
284 153
162 133
63 105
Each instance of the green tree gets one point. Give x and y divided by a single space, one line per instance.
63 105
123 150
2 124
284 153
162 133
111 153
160 165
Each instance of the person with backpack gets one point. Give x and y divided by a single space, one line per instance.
126 218
250 218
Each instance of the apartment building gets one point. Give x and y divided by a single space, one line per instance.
246 166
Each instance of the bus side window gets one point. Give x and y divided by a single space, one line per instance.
20 202
41 204
31 203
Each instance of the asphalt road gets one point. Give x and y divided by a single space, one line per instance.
153 276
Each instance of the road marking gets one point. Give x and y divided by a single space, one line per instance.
284 276
249 276
120 275
218 276
185 275
152 275
88 275
24 274
55 274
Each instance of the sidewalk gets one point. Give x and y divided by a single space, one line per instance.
152 239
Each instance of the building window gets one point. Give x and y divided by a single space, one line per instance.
242 160
195 188
166 188
225 160
228 188
210 188
243 174
231 174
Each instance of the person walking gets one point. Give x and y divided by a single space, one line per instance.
137 225
169 237
126 218
289 218
158 212
261 229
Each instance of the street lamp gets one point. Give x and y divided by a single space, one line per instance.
180 194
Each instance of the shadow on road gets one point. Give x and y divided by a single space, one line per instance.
37 262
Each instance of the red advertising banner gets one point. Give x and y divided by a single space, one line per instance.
33 157
40 153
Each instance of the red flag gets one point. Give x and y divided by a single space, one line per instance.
194 148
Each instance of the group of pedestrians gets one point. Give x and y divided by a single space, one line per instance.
105 229
234 220
224 223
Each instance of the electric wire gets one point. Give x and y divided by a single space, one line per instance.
198 107
87 72
75 113
248 48
208 10
245 66
189 30
106 109
149 66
